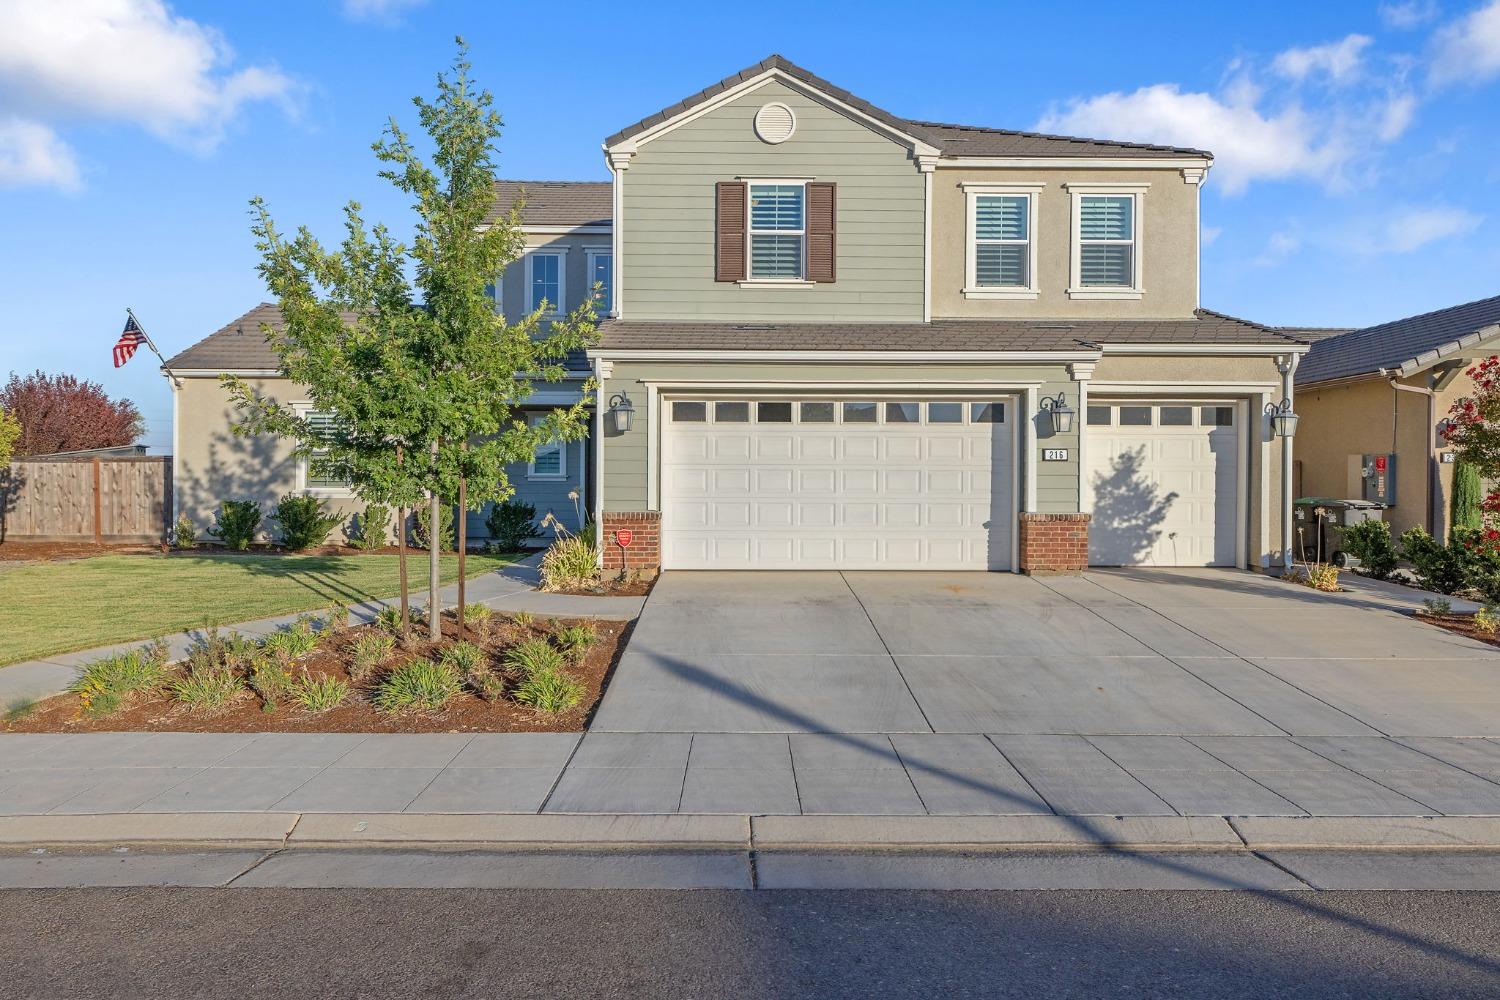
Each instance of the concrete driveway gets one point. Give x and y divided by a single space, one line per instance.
1129 652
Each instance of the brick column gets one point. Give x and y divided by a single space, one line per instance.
644 553
1054 544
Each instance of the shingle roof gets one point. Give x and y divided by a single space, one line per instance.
240 345
556 203
951 140
1313 334
940 335
1408 344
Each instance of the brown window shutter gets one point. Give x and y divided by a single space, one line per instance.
822 231
730 199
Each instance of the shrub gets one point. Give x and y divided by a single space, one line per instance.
549 691
207 688
576 640
297 640
419 528
511 523
319 693
304 521
184 534
105 683
418 685
1321 576
532 657
1370 542
388 619
1465 503
523 620
270 680
235 523
338 617
480 618
1438 606
489 686
571 563
462 656
373 528
1438 567
1487 620
369 652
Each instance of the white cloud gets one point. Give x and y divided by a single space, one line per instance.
125 60
1208 234
1408 15
1340 61
1396 116
1279 247
31 154
1468 50
1248 144
378 10
1414 228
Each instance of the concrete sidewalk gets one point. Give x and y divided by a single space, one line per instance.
511 588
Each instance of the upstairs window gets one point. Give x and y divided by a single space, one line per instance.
545 281
777 228
1106 242
1001 240
601 275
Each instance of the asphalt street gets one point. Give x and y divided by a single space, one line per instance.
340 943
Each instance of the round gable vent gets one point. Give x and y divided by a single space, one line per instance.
775 123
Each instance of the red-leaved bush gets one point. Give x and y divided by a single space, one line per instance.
63 413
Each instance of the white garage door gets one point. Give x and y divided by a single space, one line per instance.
836 484
1165 484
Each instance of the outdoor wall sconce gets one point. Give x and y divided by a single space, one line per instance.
623 412
1283 420
1061 413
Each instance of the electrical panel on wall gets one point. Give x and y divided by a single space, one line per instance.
1379 479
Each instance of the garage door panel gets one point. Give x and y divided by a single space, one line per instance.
907 495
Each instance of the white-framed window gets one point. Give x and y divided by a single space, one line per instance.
601 271
495 292
313 474
1001 241
777 237
551 459
1106 252
546 278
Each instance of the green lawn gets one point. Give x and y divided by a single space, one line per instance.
56 607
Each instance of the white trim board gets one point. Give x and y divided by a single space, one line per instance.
892 357
1078 162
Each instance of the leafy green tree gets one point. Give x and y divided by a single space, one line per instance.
10 430
424 377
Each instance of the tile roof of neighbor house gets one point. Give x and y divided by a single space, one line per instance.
1405 344
951 140
940 335
240 345
556 203
1313 334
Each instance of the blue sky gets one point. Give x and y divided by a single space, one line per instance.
1356 178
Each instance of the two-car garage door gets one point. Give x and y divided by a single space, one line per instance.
837 484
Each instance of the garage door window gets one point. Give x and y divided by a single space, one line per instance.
988 413
1177 416
861 413
903 413
773 413
1172 415
1135 416
1218 416
945 413
890 413
816 413
1101 416
686 411
732 413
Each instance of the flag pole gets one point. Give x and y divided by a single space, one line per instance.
151 344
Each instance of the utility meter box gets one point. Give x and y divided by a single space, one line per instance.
1378 476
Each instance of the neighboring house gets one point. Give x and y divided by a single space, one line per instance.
842 339
1387 389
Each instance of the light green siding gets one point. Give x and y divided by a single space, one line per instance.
668 216
626 456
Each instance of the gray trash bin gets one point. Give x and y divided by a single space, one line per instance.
1336 514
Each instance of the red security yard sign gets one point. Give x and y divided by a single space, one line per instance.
624 537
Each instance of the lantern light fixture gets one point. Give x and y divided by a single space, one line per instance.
1061 413
1283 418
623 412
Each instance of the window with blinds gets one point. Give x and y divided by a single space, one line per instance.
321 473
1002 236
777 228
1106 241
600 273
550 460
546 281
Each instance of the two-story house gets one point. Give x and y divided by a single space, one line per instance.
842 339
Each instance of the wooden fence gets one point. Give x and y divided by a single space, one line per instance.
100 500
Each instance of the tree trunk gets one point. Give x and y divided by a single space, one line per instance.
434 564
401 561
463 543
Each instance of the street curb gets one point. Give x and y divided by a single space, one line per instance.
1266 833
262 830
510 830
1060 832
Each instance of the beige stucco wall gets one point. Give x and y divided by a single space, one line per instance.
1167 243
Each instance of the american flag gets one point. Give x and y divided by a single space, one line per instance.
130 339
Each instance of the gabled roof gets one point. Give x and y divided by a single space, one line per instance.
1403 345
1205 328
556 203
949 140
240 345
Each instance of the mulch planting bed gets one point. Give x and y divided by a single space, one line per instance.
633 586
1462 624
14 551
466 712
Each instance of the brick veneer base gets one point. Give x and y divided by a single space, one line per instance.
1053 544
644 553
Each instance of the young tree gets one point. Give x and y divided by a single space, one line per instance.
1473 427
424 377
63 413
10 429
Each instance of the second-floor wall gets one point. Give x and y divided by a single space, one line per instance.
561 269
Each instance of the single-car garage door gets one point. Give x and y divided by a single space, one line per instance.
837 484
1164 478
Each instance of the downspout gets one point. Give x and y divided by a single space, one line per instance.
1431 493
1287 365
